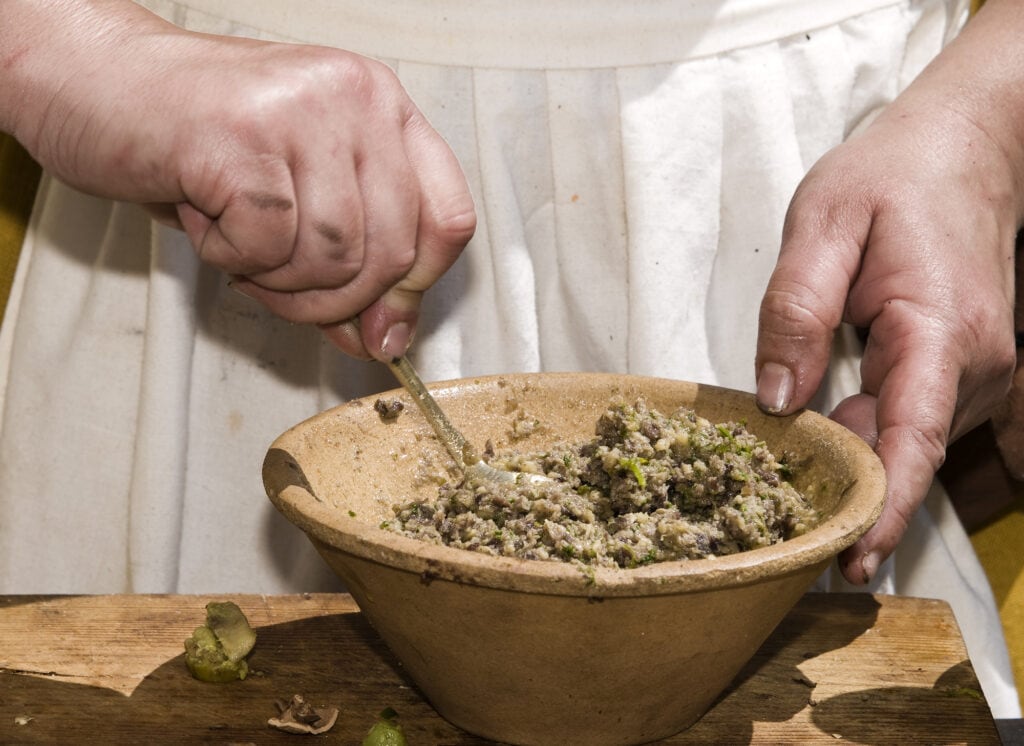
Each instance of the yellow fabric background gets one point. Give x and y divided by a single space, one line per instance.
998 545
19 177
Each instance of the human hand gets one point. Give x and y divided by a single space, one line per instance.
1008 427
304 172
906 231
1008 419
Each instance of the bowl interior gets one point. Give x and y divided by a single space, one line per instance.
338 474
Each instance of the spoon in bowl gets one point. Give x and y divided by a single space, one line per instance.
454 442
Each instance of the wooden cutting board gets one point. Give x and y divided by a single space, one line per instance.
110 670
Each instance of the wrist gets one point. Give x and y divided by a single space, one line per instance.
984 73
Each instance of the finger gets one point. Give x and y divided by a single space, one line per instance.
913 429
961 346
909 472
240 229
390 215
314 306
803 304
330 242
447 221
347 338
858 414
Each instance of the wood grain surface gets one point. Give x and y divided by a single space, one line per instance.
110 670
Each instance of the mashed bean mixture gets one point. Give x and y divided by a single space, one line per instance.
647 488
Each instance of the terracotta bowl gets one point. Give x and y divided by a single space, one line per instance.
536 652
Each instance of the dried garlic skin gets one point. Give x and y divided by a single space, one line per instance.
216 651
299 716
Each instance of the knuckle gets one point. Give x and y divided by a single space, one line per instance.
344 234
928 437
402 261
360 77
455 224
901 512
248 254
337 243
798 308
998 349
1004 364
985 348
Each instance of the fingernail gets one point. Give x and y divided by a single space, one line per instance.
396 340
775 387
869 565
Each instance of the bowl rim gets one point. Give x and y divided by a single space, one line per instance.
332 528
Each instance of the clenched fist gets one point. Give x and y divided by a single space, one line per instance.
304 172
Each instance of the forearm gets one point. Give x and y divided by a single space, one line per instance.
979 77
58 58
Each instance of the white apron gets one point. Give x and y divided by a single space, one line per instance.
631 163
